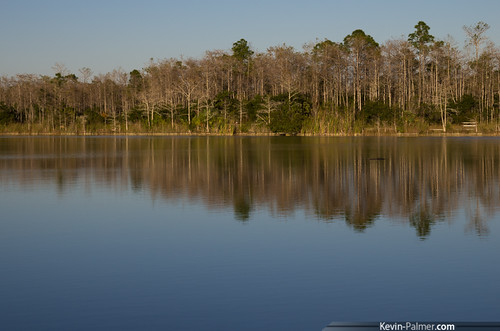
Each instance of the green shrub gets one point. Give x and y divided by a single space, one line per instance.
290 116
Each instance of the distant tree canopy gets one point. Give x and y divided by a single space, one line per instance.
360 38
421 38
241 50
333 87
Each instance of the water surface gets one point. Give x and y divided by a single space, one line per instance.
248 233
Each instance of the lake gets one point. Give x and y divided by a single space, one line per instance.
247 233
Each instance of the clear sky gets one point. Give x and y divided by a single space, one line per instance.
110 34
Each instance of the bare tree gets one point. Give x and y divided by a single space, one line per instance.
86 74
476 37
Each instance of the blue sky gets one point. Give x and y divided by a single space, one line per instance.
106 35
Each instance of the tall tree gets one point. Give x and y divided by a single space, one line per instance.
243 55
362 47
475 38
421 40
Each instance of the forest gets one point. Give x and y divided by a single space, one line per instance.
417 84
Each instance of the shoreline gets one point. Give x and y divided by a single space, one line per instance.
197 134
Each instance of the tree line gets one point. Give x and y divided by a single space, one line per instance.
411 84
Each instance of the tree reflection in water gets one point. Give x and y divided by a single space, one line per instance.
421 181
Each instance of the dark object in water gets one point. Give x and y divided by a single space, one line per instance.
377 159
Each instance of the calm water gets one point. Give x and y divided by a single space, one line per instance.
252 233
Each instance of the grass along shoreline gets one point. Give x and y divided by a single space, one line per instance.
137 129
